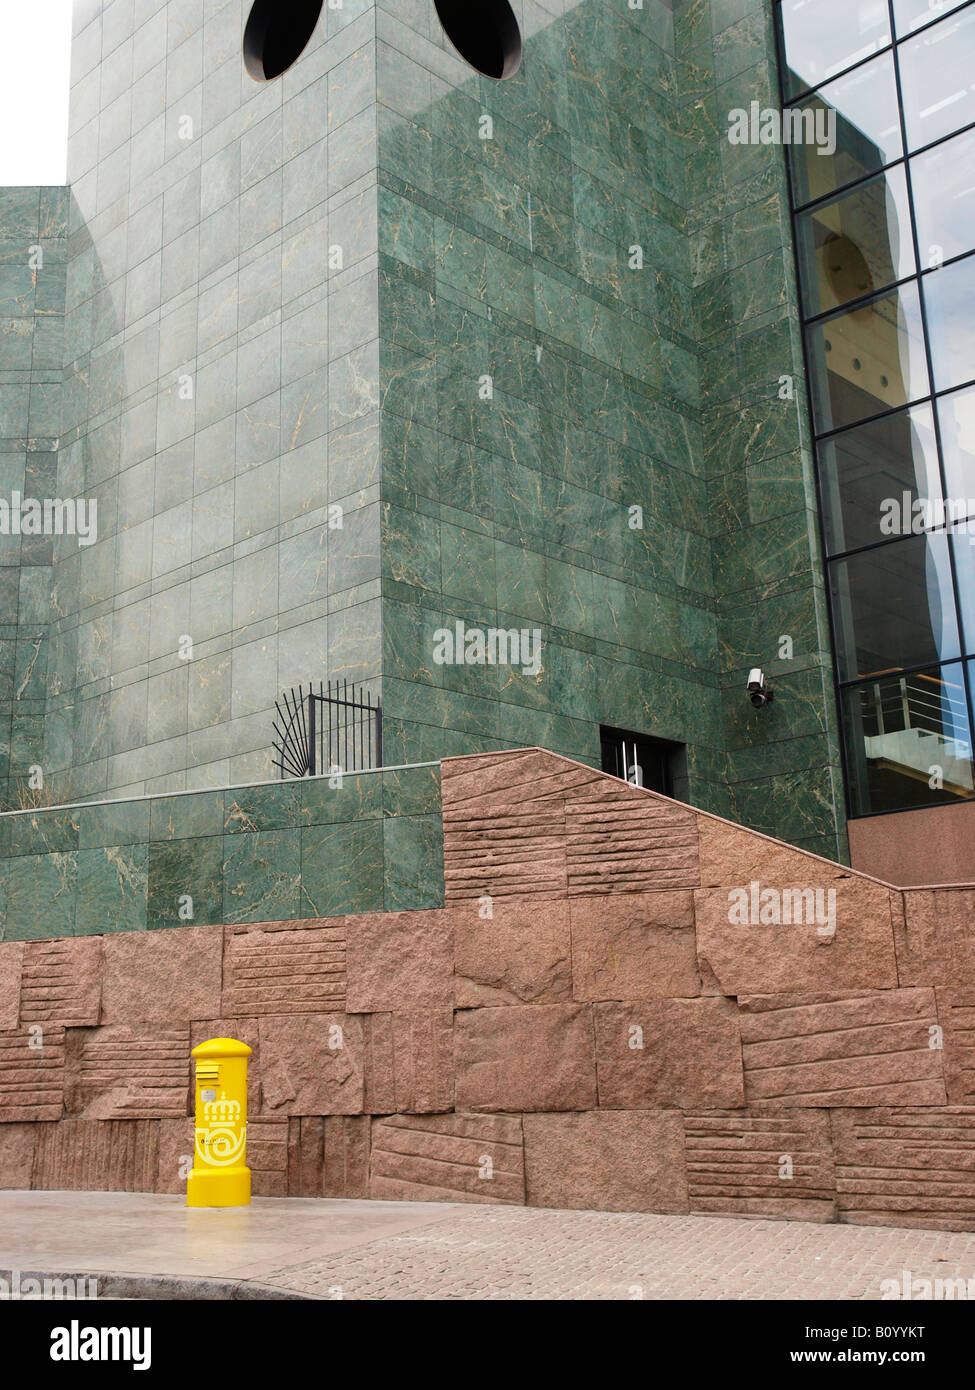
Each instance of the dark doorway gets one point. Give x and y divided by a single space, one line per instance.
654 763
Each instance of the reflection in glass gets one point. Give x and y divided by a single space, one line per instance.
868 359
894 607
871 477
858 243
912 14
956 418
868 131
822 37
944 199
948 298
936 79
908 741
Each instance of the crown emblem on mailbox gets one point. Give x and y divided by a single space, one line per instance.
221 1112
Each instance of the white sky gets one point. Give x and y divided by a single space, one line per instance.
34 91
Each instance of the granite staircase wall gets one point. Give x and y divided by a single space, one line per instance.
580 1026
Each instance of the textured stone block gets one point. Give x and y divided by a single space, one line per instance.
622 839
906 1167
175 1154
32 1075
672 1053
98 1155
956 1013
519 955
756 958
120 1073
732 856
11 966
167 976
17 1143
525 1057
936 945
409 1062
306 1154
267 1155
312 1064
634 946
608 1160
448 1158
761 1163
399 961
279 968
533 824
62 982
345 1170
829 1051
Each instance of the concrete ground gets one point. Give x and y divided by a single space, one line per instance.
375 1250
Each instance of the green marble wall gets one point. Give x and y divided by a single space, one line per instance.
246 854
33 260
511 257
200 253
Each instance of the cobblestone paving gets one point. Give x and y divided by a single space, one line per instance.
531 1254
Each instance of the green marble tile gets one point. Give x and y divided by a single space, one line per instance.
342 869
113 884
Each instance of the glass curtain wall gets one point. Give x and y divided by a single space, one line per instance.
884 220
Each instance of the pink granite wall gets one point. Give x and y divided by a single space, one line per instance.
581 1026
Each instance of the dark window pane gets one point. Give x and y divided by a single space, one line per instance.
868 360
894 607
822 37
949 299
936 79
908 741
858 243
944 199
868 131
871 477
956 415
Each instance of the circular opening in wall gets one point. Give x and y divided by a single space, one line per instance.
276 35
485 33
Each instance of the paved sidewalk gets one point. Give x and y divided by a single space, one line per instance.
375 1250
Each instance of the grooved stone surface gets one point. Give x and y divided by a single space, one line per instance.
866 1049
473 1158
31 1076
912 1167
761 1162
119 1073
277 969
62 982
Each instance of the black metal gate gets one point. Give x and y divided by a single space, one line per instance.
318 731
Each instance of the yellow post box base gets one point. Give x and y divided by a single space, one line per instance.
230 1187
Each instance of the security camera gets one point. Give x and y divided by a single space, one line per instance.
757 689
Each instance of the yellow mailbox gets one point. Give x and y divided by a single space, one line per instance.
220 1176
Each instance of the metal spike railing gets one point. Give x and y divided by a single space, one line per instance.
319 731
